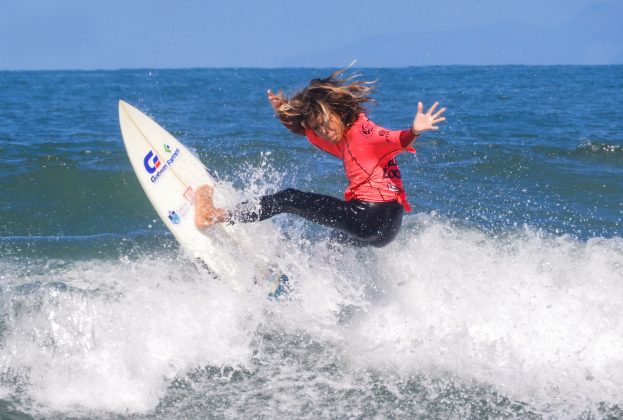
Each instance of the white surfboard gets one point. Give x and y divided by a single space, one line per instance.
169 174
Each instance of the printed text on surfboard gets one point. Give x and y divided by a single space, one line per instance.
154 166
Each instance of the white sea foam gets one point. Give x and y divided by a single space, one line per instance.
121 331
538 318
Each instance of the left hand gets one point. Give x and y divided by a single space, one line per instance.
424 122
276 100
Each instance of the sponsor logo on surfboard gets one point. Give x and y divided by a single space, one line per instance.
174 218
154 166
151 162
166 148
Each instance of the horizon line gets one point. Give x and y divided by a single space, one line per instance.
297 67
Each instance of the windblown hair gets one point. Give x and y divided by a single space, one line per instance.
343 97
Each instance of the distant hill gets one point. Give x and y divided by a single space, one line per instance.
594 36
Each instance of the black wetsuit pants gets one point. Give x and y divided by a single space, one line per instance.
361 223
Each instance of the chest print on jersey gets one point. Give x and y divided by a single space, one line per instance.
367 129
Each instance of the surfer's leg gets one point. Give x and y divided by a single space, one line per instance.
322 209
374 224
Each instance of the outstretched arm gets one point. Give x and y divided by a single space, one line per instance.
426 121
276 101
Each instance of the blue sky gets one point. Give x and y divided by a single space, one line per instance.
110 34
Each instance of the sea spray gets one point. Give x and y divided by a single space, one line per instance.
532 316
499 298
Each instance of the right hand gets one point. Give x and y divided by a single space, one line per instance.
427 121
276 100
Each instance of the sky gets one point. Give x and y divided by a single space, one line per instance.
112 34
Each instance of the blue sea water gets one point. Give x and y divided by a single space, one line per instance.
501 297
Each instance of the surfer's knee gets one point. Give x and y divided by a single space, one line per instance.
376 239
382 240
383 237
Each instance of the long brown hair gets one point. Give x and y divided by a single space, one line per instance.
343 97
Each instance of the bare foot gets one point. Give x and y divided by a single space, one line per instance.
205 212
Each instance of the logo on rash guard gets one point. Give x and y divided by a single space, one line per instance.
393 187
385 133
391 170
366 129
151 162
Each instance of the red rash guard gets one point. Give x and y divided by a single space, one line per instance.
369 152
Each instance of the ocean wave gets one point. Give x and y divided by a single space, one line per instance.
596 147
446 316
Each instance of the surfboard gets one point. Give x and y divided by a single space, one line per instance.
169 174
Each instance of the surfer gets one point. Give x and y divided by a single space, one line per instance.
330 113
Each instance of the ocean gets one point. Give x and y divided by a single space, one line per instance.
502 296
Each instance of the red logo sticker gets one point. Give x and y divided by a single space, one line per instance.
189 195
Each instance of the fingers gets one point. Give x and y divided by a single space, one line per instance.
271 95
431 116
433 125
279 93
441 111
275 99
432 108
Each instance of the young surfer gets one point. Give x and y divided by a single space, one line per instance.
330 113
